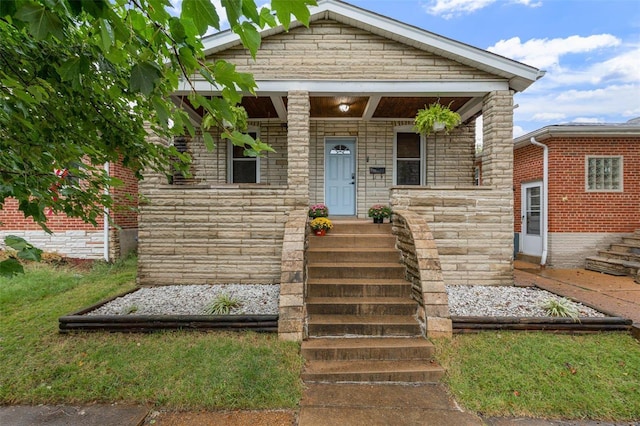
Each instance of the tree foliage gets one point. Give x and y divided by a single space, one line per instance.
80 78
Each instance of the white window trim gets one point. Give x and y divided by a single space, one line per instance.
586 173
423 153
230 159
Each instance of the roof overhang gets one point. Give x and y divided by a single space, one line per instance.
519 75
579 131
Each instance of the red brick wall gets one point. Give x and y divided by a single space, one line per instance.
527 167
13 219
571 207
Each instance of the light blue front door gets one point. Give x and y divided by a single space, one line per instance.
340 177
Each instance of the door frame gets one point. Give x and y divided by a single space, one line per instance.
352 140
538 245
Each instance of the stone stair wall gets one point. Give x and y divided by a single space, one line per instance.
621 258
362 324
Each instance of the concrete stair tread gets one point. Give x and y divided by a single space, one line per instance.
366 342
356 249
361 319
369 366
360 300
359 265
612 254
358 281
620 262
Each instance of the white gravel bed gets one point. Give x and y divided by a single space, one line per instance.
255 299
501 301
489 301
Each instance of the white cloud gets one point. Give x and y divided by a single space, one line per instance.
546 53
448 9
518 131
548 116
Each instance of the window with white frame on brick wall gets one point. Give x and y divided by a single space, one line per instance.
603 173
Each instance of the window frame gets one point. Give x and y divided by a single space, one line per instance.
231 159
620 159
422 159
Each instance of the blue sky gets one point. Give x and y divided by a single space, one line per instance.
590 50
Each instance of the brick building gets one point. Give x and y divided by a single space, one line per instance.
337 101
593 190
71 237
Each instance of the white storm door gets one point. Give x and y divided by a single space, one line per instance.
340 177
532 203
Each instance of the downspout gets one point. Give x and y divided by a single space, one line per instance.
105 243
545 199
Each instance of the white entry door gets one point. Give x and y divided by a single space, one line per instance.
532 204
340 176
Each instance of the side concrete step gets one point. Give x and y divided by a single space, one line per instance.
612 266
363 325
361 305
612 254
357 287
389 348
372 371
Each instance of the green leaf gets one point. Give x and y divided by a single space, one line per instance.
202 13
16 243
208 141
41 21
143 77
234 10
266 18
249 36
10 267
298 8
107 37
177 30
70 69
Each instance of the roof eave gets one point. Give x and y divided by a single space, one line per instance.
602 130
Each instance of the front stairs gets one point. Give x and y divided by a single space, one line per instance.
361 318
620 259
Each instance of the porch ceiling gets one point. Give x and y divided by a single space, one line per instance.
360 107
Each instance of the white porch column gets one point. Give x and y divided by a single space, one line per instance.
298 146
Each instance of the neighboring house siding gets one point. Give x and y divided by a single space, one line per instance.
330 50
581 222
72 237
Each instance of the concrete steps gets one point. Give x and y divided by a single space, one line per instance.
361 323
620 259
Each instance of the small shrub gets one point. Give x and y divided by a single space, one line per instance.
561 308
130 310
222 305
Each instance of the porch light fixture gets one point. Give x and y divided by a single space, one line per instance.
343 107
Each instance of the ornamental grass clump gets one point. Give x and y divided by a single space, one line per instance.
561 307
321 223
222 305
318 210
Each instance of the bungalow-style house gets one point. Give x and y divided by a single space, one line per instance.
337 101
73 238
577 191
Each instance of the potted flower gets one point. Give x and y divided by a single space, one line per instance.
434 118
320 225
378 212
318 210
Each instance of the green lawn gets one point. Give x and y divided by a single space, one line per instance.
177 370
545 375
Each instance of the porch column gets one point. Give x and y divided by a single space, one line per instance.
298 147
497 151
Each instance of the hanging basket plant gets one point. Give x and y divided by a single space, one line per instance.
434 118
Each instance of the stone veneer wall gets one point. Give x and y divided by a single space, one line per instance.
449 158
423 270
472 228
570 249
80 244
293 277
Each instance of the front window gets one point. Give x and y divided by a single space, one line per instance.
603 173
243 169
408 159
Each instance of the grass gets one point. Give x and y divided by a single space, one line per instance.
176 370
545 375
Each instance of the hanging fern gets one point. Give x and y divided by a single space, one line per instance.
435 113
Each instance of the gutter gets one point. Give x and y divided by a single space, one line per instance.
105 225
545 199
